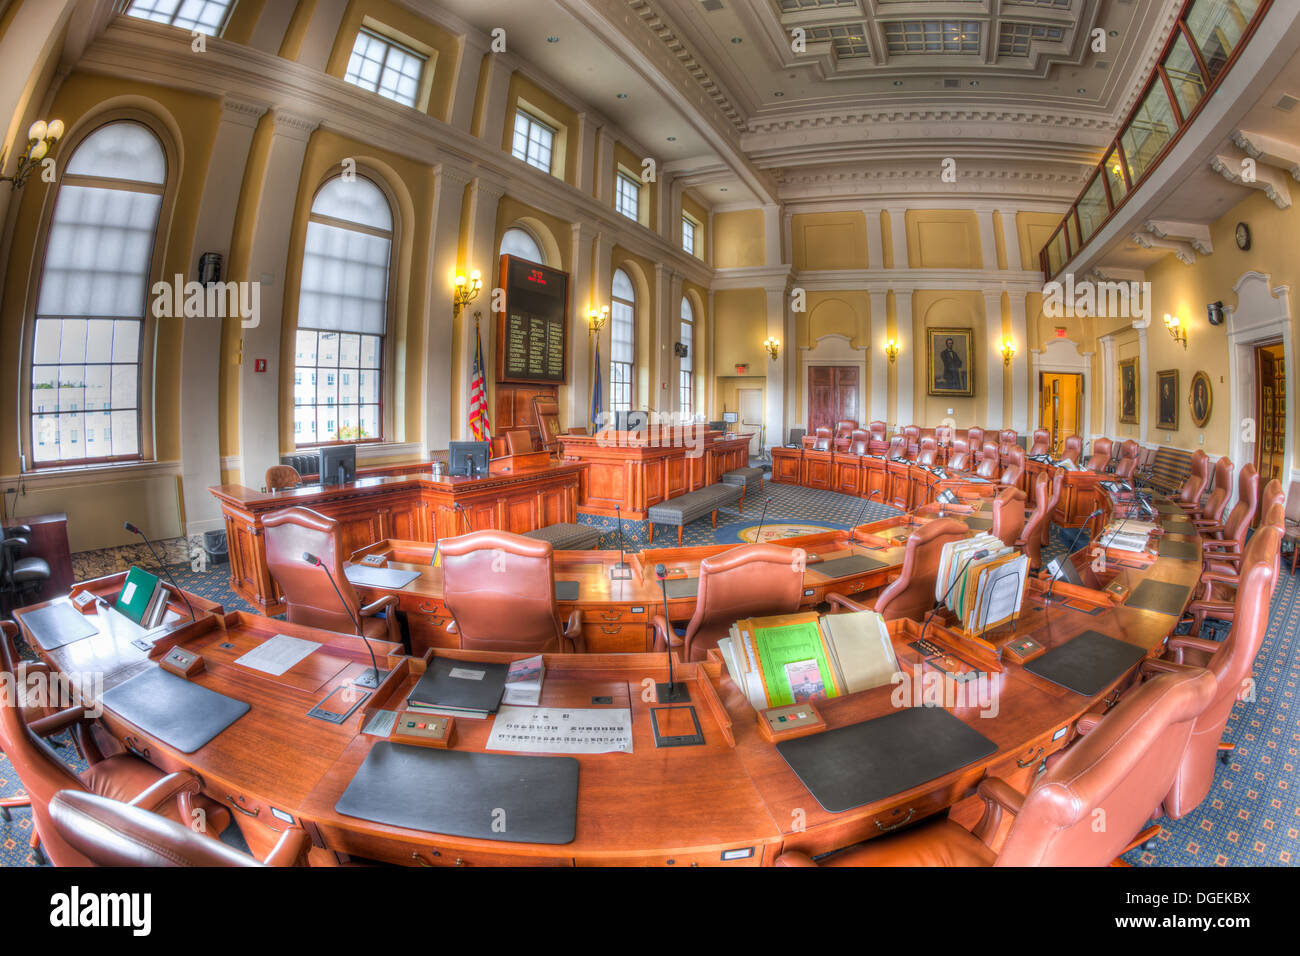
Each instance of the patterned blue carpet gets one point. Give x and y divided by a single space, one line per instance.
1251 817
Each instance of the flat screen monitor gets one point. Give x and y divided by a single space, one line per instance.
338 464
731 417
717 426
468 458
635 421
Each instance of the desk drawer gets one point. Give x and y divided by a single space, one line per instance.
615 613
427 620
387 850
618 638
741 856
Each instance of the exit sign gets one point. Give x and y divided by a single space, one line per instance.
742 369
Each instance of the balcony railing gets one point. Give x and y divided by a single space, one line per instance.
1200 50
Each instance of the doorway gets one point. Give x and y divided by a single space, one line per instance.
1270 404
1060 406
832 395
750 401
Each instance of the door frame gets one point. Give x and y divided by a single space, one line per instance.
1065 357
833 349
756 443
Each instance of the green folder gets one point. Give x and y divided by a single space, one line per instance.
137 592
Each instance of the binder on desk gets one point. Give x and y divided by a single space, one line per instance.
460 688
143 599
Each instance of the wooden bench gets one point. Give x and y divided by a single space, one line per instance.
684 509
1169 469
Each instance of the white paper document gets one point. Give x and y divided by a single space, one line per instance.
562 730
277 655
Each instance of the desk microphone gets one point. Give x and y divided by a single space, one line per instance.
128 526
460 508
374 675
758 538
668 693
620 571
853 530
1047 598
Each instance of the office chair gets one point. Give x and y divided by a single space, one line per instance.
975 439
1209 513
859 442
897 447
1042 442
1231 662
279 477
21 579
1008 439
519 441
753 580
124 777
109 833
309 596
1128 460
1189 493
912 434
843 431
988 462
1103 449
796 437
1220 578
929 449
911 594
1031 536
822 441
1072 450
1118 771
1008 515
959 456
1015 466
500 590
879 440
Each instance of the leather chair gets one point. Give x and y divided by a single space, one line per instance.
1007 440
911 594
21 578
1128 459
279 477
309 596
124 777
1042 442
1210 511
913 435
1103 449
1221 585
959 456
1118 771
897 447
1015 466
879 440
1221 552
943 434
822 440
1189 495
1031 537
500 590
1008 515
859 442
1053 500
1231 662
1291 526
975 438
988 462
519 441
1073 449
108 833
843 433
929 451
752 580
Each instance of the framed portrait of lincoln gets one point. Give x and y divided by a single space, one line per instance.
948 362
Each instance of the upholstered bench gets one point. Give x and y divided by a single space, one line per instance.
566 536
684 509
1169 469
743 478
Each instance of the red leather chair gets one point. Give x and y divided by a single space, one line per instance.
843 433
1073 449
1189 495
308 594
1015 466
1042 443
1008 515
519 441
911 595
1128 460
859 441
913 435
1053 499
1031 538
822 440
988 462
1210 512
109 833
929 451
943 434
500 590
753 580
959 456
879 440
897 447
1221 586
1119 772
1231 662
1007 440
1221 552
124 777
1103 449
975 439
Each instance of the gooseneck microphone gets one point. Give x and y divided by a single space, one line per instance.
375 675
758 538
1047 598
620 571
861 511
460 508
668 693
132 529
981 553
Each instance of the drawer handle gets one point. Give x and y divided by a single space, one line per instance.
437 621
429 608
610 615
1032 757
610 628
234 805
415 855
133 745
894 826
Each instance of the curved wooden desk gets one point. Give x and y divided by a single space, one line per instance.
735 795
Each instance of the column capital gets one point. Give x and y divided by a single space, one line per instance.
293 125
241 112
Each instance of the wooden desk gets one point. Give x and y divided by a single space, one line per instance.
678 806
634 470
409 505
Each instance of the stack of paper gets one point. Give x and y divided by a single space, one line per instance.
1126 535
524 682
982 592
782 660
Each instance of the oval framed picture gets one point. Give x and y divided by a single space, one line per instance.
1201 397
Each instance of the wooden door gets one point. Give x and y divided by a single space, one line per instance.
832 395
1060 406
750 401
1270 405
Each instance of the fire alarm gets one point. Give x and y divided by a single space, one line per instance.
259 365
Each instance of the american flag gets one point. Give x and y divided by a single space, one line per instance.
479 423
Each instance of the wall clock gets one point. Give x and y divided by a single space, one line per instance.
1243 236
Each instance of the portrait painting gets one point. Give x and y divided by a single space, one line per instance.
1128 391
948 362
1167 393
1201 398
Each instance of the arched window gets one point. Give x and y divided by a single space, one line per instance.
520 243
622 336
686 336
342 315
89 329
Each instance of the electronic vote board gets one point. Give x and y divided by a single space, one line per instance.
532 330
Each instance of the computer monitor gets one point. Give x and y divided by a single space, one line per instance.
468 458
731 417
633 421
338 464
717 426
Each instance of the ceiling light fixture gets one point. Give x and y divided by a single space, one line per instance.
672 139
552 39
1082 89
737 40
778 94
898 82
621 96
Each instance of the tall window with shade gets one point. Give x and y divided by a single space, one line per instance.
90 310
343 315
622 339
686 374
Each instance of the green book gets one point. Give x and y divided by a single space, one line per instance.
137 591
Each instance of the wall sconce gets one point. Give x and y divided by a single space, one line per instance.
1176 330
891 350
773 347
1008 352
41 139
465 291
596 318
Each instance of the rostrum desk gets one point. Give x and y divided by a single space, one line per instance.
679 806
